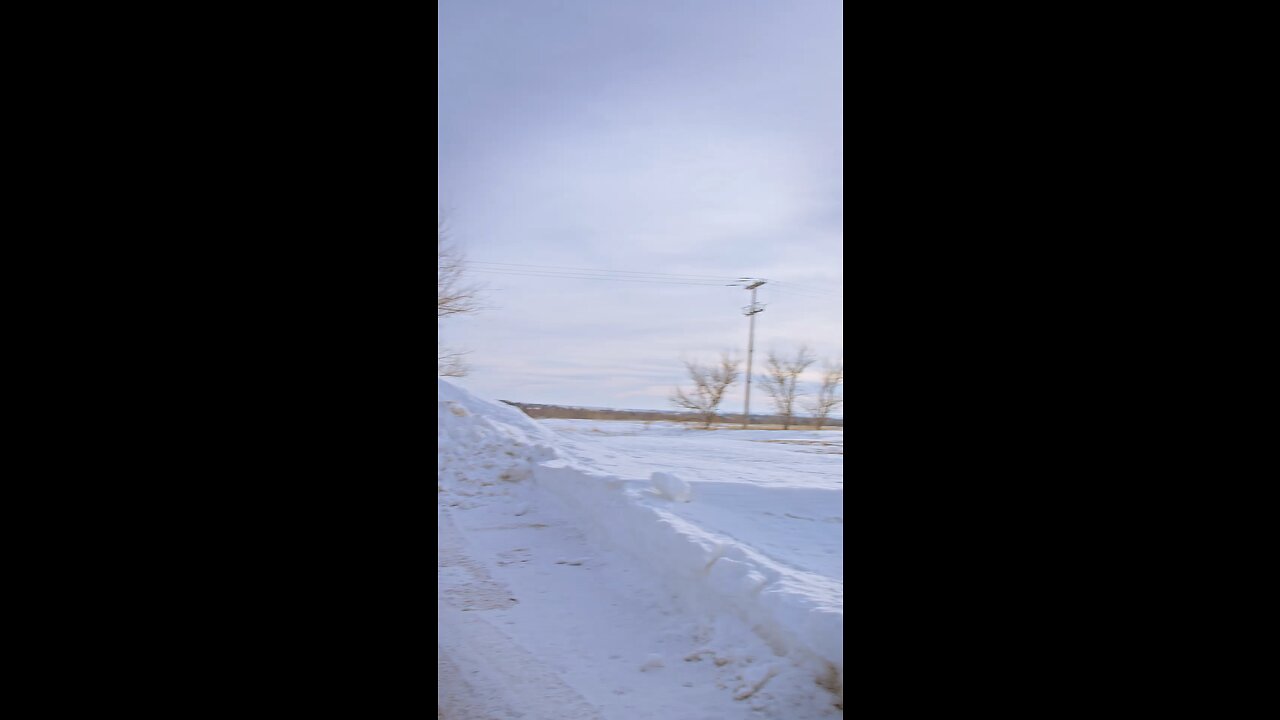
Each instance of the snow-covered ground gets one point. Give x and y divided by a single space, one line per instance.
598 569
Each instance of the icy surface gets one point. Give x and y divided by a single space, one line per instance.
594 569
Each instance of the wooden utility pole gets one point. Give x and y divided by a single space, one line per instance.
750 311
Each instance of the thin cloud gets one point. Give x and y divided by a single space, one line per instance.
698 138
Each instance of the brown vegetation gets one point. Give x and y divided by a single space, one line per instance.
729 420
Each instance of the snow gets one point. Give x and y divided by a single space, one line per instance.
671 486
604 569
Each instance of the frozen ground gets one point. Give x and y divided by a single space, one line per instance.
594 569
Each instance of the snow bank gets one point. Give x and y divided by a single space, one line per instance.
800 614
482 445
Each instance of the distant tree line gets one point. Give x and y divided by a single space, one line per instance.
579 413
780 382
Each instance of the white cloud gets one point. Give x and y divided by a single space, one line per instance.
686 138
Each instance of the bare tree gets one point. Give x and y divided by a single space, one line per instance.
709 385
450 363
829 395
454 296
779 381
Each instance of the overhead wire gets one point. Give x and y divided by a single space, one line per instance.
582 276
804 291
816 287
595 270
582 273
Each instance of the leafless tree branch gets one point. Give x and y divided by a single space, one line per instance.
454 295
780 381
451 363
829 392
709 386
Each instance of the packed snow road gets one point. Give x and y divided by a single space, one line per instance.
573 588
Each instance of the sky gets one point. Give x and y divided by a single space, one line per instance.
609 167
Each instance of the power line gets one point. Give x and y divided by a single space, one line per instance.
804 291
780 292
583 273
580 276
718 278
816 287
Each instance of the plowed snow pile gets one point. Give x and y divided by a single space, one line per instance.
681 592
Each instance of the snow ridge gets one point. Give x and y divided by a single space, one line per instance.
800 614
485 448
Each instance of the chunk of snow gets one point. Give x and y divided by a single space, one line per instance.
672 487
652 662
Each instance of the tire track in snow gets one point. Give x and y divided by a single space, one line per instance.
482 674
463 581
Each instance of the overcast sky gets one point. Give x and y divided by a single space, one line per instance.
695 142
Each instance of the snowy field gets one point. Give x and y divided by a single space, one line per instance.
605 569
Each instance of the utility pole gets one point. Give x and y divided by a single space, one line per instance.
750 311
